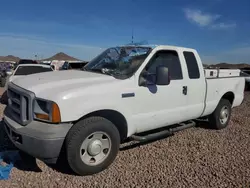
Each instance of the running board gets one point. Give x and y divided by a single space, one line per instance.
168 132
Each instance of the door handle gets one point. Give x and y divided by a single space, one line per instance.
184 90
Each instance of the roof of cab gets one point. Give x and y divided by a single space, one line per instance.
160 46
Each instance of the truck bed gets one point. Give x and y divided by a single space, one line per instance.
219 82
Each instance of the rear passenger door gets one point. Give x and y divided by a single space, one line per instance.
196 85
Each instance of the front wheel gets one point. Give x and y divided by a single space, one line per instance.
92 145
220 118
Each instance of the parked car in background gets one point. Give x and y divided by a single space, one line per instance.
5 71
27 69
21 71
3 77
25 61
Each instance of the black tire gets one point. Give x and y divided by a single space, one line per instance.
81 131
214 118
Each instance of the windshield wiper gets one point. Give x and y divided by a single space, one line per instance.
92 70
102 71
106 71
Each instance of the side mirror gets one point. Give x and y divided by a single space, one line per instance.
162 76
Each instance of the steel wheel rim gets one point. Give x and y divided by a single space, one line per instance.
95 148
224 114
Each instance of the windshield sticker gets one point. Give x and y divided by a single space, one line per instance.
125 53
137 53
113 54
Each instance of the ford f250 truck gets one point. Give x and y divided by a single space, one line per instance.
123 93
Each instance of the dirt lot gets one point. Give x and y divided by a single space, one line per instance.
197 157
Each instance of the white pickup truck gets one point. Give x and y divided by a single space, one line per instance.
123 92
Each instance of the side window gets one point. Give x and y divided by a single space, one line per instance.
169 59
192 65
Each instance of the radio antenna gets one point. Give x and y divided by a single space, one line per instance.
132 20
132 35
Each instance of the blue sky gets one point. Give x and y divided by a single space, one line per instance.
218 29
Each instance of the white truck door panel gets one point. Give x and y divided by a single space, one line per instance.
159 106
196 84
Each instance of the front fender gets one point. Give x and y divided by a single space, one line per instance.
73 110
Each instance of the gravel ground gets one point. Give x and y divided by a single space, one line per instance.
196 157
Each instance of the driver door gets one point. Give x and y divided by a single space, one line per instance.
161 105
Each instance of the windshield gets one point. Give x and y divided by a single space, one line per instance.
120 62
26 70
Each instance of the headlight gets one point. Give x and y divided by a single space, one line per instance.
47 110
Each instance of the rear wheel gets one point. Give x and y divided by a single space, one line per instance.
92 145
220 118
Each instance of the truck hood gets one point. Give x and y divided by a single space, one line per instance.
51 83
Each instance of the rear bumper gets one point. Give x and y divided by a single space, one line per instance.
40 140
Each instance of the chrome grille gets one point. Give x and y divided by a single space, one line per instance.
20 104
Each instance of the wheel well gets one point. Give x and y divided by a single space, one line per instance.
115 117
229 96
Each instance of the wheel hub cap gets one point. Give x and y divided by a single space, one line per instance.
95 147
224 115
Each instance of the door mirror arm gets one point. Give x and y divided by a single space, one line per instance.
161 77
144 79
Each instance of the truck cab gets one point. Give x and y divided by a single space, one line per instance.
121 93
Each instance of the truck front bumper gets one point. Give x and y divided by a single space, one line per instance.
40 140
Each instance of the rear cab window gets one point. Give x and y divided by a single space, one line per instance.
27 70
192 65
